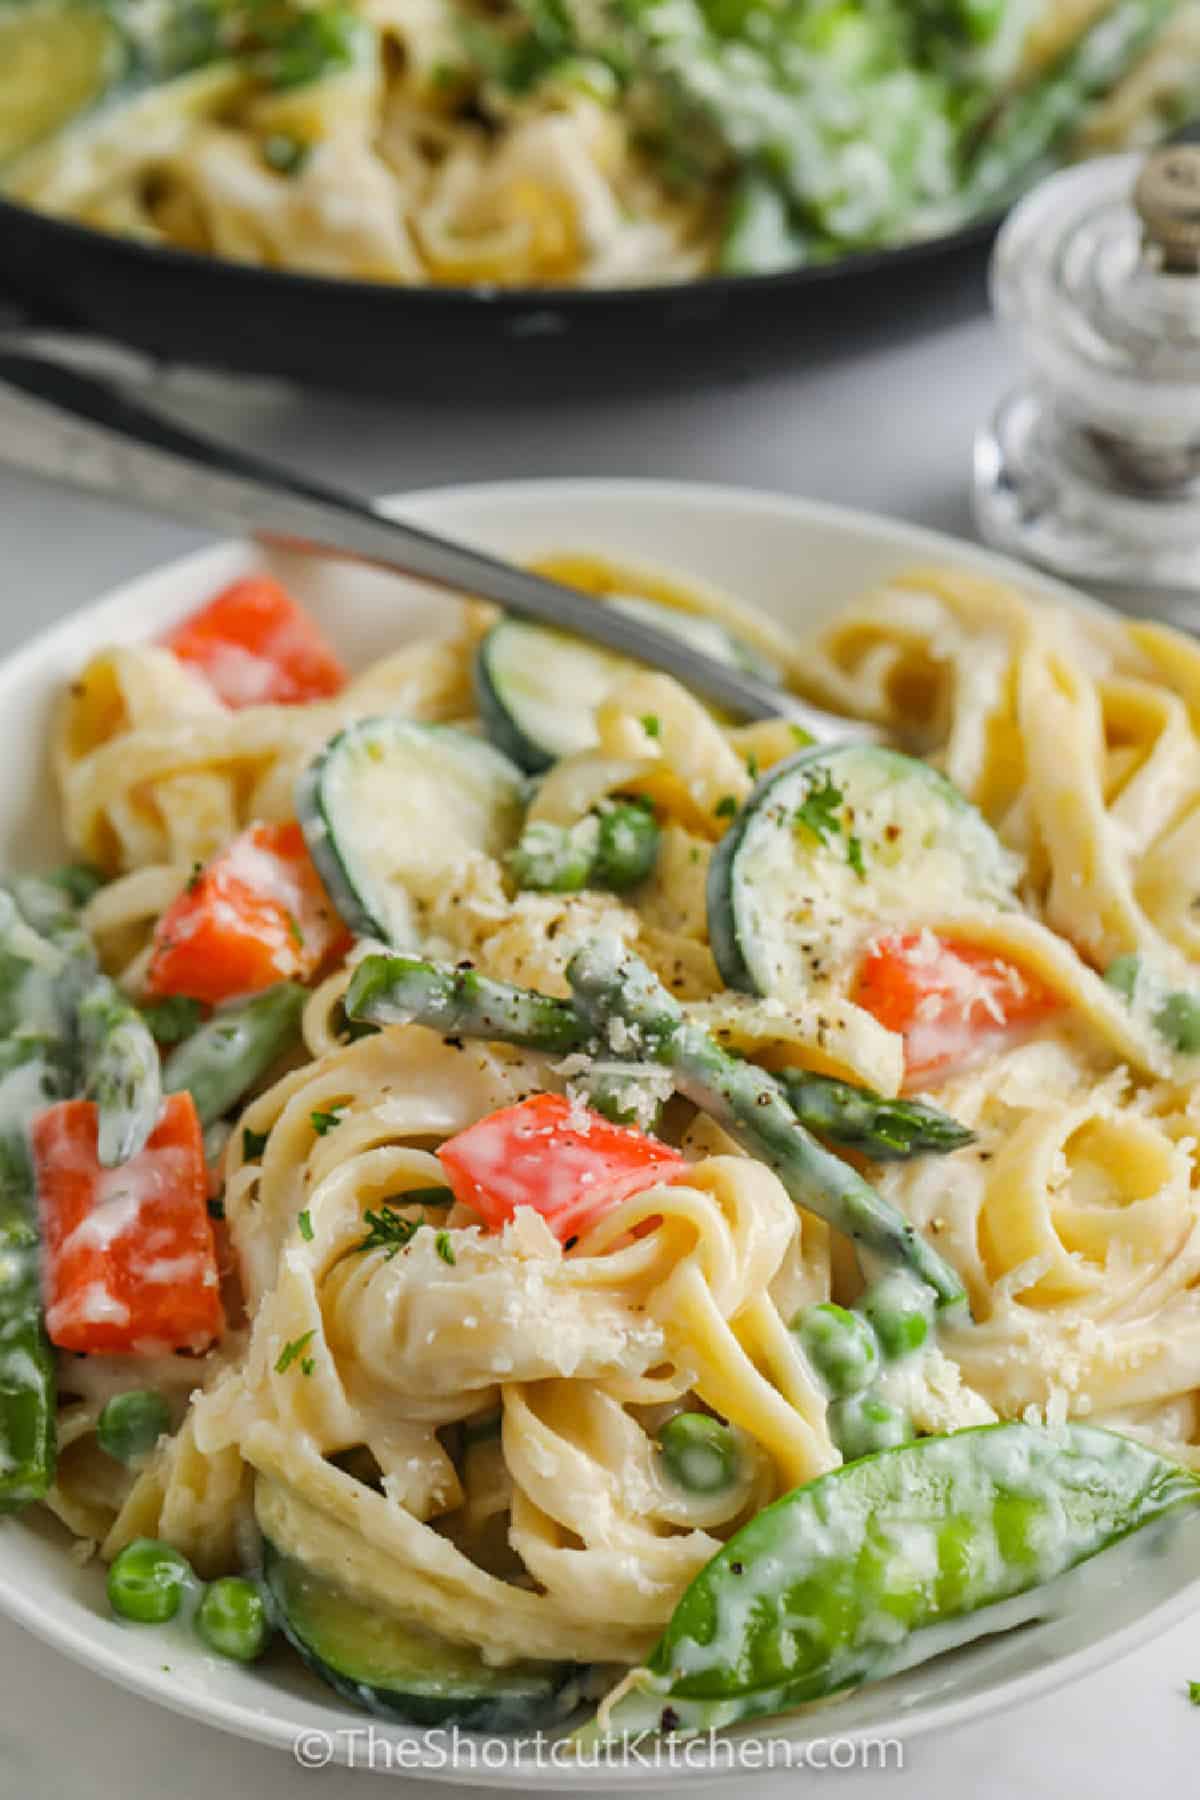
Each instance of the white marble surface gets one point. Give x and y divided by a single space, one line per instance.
886 425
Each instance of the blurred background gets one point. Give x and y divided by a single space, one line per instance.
534 198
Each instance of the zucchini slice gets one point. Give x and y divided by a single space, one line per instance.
538 689
402 1672
836 841
56 61
392 808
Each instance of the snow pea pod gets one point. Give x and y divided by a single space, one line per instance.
850 1577
220 1063
27 1365
120 1064
38 1064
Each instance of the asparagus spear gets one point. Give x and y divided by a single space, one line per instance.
404 990
222 1061
626 1002
121 1070
860 1119
407 990
1038 118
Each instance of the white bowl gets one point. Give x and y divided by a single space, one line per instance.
798 561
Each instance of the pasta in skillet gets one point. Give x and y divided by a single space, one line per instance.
614 1119
543 143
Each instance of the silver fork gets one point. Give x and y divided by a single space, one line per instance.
61 420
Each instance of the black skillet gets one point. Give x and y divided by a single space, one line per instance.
464 344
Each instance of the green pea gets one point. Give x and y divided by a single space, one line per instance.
626 846
232 1618
863 1423
840 1345
700 1453
899 1311
554 859
1021 1526
131 1424
147 1580
883 1569
1122 974
1178 1021
962 1560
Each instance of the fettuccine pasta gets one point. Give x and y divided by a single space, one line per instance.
496 1362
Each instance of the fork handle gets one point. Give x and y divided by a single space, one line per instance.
69 425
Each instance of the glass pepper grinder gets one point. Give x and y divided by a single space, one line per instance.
1091 468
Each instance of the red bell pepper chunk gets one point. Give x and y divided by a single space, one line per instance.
255 915
569 1164
257 647
950 1001
130 1263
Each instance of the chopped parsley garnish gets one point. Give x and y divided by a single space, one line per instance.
389 1231
294 931
726 807
752 766
292 45
322 1122
445 1248
818 811
253 1143
430 1196
304 1221
78 881
651 725
854 856
307 1365
296 1347
193 880
800 736
172 1018
1194 1692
